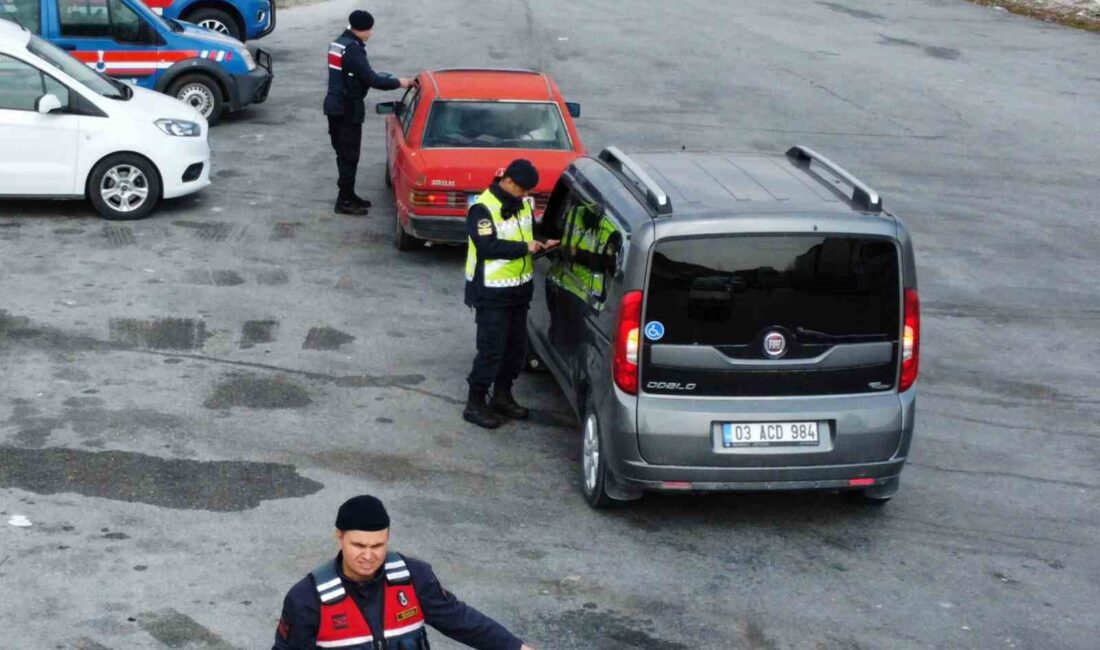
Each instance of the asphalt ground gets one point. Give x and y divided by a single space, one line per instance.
185 400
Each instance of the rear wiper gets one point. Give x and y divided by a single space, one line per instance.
822 336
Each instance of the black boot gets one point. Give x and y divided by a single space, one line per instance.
506 405
478 412
356 199
347 206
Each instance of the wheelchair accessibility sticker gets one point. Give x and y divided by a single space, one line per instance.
654 330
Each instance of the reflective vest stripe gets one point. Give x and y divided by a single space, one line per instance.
396 565
328 585
344 643
333 595
498 274
389 634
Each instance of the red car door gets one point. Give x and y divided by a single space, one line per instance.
396 136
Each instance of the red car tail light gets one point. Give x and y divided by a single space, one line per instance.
910 341
627 342
437 199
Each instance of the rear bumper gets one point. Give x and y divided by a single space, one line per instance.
252 88
438 229
638 475
652 443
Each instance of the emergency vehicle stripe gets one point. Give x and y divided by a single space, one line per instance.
204 54
221 54
328 585
332 595
397 575
344 643
158 4
134 56
403 630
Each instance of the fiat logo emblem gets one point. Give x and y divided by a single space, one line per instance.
775 345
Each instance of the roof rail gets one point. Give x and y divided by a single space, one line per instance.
654 195
522 70
863 196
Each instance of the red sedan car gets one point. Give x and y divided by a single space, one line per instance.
451 135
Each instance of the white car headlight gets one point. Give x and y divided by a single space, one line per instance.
249 60
182 128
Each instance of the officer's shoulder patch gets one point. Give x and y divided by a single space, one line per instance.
484 227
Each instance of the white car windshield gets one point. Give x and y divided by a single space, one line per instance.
496 125
59 59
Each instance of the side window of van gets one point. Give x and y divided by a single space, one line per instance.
101 19
21 85
26 13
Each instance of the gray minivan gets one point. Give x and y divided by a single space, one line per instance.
729 322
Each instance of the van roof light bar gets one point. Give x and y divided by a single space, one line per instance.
654 195
863 196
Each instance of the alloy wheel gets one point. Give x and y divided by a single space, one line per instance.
125 188
591 454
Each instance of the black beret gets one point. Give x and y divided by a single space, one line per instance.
523 173
361 20
363 512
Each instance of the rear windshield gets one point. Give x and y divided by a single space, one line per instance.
496 125
728 290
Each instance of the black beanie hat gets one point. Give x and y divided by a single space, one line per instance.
522 173
363 512
361 20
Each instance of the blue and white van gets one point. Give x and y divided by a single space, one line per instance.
127 40
244 20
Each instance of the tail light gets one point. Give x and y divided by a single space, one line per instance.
910 341
437 199
627 342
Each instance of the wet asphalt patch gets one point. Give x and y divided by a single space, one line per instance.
214 278
19 331
119 235
178 630
252 391
158 333
180 484
207 230
258 331
273 277
326 338
607 630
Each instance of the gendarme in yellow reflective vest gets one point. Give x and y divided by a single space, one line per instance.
503 273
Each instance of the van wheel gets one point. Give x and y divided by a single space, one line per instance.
594 466
402 240
124 187
216 20
202 93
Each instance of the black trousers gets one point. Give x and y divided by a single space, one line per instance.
347 137
501 347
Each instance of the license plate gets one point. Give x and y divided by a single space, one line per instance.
769 434
471 199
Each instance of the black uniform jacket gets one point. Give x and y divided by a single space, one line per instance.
347 87
301 616
482 231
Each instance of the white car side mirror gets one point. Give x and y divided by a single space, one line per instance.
47 103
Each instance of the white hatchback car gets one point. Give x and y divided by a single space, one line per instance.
68 132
